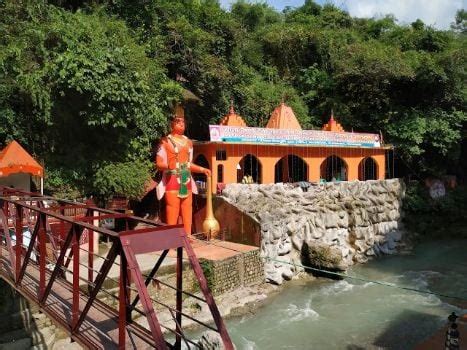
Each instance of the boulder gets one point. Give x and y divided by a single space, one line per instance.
273 274
323 256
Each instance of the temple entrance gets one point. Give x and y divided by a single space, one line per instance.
290 168
201 161
333 168
367 169
249 167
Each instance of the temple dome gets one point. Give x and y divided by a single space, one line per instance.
232 118
283 117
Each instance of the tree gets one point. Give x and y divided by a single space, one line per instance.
460 23
86 84
78 90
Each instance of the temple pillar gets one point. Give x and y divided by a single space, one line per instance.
268 172
352 168
314 169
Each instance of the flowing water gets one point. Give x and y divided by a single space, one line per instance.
351 314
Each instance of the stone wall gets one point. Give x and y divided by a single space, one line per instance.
234 272
241 270
332 225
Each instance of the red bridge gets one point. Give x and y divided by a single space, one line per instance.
40 237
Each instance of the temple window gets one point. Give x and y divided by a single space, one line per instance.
221 154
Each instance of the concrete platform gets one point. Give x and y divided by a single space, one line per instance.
218 250
214 250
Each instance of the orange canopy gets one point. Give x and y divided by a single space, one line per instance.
15 159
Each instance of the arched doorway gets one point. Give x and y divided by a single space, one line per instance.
291 168
333 168
201 161
249 165
367 169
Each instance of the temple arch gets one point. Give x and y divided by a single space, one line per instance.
334 168
368 169
249 165
290 168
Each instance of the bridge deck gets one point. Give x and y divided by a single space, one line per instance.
100 328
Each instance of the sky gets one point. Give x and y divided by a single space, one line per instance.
437 13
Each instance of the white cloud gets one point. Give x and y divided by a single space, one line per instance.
438 13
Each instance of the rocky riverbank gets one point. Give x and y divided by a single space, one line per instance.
330 226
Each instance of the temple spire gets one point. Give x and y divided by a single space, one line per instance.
232 118
283 117
231 109
332 124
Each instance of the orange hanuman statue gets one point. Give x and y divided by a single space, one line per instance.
174 159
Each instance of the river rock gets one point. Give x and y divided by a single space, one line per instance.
273 274
321 255
211 340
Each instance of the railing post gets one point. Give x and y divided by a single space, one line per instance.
75 248
178 339
42 255
124 301
2 209
90 256
19 239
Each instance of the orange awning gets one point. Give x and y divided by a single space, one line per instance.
14 159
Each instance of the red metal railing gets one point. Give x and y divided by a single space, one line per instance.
41 236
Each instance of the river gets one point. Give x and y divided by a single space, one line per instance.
351 314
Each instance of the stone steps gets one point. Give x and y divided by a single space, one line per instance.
22 326
43 339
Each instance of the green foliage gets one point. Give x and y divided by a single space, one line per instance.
440 217
85 84
460 23
79 91
254 15
125 178
208 271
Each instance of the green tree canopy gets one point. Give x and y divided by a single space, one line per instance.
86 84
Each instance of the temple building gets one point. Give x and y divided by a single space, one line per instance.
283 152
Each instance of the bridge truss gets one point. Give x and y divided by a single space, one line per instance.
40 237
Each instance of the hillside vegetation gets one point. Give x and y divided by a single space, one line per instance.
87 85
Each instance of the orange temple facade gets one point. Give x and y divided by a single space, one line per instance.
283 152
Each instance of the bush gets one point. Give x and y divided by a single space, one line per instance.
435 217
126 179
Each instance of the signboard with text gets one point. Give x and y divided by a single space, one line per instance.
235 134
